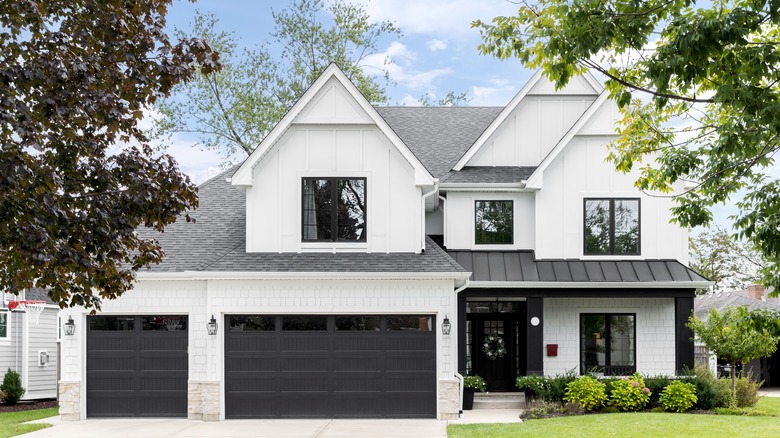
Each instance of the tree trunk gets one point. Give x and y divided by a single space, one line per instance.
733 385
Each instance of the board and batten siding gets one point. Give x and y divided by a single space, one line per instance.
461 219
581 171
333 138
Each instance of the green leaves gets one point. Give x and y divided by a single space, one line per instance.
709 111
233 110
75 78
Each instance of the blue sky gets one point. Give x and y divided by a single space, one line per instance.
437 53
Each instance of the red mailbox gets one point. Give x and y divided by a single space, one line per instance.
552 350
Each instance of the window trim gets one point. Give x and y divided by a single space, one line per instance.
334 209
607 352
611 226
7 337
510 201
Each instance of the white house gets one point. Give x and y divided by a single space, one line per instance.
335 258
28 344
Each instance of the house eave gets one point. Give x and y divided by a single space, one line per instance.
589 284
459 277
499 187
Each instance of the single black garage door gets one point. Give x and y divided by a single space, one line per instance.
137 366
330 366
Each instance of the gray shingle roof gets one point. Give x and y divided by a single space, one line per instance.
703 303
522 266
217 242
439 136
484 174
37 293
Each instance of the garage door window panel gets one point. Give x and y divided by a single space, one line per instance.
304 323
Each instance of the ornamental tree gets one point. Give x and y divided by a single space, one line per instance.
76 174
736 336
697 87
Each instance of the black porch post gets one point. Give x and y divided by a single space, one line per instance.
462 335
683 336
534 336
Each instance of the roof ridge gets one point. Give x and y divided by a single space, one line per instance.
216 177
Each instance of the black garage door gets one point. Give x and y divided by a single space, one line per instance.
330 366
137 366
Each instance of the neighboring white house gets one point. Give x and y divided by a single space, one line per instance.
320 261
29 347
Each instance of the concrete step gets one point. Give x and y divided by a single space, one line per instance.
499 400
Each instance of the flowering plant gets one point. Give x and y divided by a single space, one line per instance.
493 346
630 393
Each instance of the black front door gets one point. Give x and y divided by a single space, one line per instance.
498 371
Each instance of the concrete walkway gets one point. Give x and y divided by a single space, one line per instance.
770 392
180 428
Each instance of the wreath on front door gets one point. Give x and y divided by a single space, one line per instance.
493 347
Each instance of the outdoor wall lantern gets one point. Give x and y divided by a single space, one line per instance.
69 327
212 326
535 321
446 326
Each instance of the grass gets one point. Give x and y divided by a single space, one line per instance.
10 422
634 425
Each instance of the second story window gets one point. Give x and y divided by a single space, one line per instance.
334 210
611 227
493 223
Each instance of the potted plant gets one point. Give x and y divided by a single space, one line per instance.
470 385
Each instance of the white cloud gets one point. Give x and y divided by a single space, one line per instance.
435 45
398 60
438 17
492 96
409 101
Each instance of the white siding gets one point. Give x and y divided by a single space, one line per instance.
580 172
11 346
654 331
460 219
274 202
532 130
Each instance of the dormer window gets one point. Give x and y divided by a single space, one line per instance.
334 210
493 223
611 227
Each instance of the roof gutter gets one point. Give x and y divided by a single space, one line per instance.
590 284
288 275
494 187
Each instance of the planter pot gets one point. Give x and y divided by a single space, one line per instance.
468 398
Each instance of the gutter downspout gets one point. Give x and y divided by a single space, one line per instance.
422 224
443 201
457 374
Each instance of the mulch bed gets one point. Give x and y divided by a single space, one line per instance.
28 405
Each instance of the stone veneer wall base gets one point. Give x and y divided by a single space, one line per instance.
70 401
449 399
203 401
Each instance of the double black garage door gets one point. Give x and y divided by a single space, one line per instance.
275 366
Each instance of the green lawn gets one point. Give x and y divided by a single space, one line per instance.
634 425
10 421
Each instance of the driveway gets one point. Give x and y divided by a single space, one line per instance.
173 428
165 428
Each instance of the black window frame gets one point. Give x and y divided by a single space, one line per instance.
334 208
611 226
512 203
608 369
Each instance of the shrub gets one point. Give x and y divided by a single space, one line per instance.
546 388
588 392
610 410
535 387
475 382
747 392
12 387
656 385
730 411
541 409
710 391
657 410
678 396
630 394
